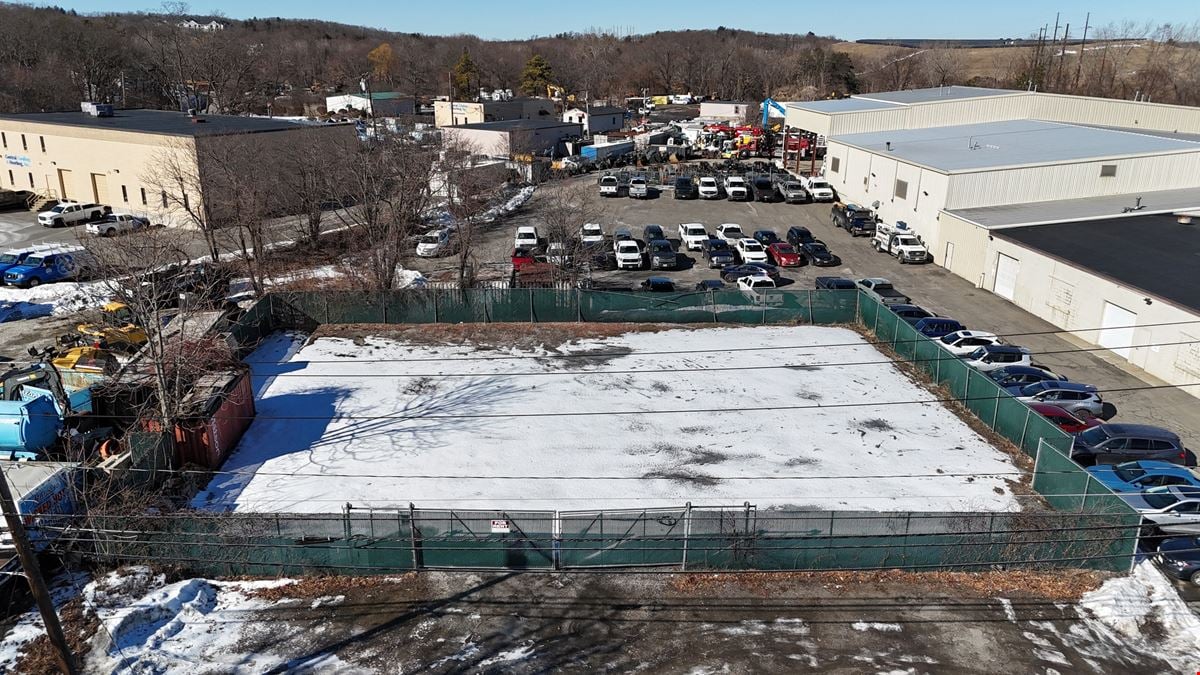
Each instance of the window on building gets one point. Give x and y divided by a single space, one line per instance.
1108 170
143 196
835 164
24 145
901 189
4 140
42 141
124 194
31 181
185 201
164 199
11 181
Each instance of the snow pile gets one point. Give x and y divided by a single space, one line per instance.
515 202
63 298
322 430
1146 612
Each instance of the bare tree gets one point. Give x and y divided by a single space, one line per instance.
562 209
305 175
175 184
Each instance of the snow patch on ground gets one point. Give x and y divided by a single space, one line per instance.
884 627
29 626
320 414
1147 612
515 202
62 298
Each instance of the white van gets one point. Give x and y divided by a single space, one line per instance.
436 243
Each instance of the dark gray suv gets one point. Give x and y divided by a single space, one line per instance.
1116 443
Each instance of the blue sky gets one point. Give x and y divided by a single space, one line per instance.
849 20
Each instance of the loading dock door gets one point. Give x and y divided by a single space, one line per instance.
1007 269
1116 330
64 183
100 188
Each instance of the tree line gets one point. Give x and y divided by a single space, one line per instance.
50 59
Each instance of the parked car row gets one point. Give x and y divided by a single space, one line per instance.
754 187
31 267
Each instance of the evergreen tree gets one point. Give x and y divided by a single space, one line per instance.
465 72
536 75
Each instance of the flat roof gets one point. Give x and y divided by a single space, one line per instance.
1153 253
993 145
932 94
515 125
161 122
842 105
1089 208
602 110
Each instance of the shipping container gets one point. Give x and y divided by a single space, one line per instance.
224 404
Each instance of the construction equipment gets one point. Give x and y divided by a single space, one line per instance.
50 400
767 105
115 330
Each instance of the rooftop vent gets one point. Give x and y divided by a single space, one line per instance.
889 146
96 109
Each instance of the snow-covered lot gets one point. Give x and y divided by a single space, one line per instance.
385 423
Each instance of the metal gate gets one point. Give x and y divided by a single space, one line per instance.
656 537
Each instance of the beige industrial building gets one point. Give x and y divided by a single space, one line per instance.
515 137
1073 208
456 113
597 119
377 104
118 157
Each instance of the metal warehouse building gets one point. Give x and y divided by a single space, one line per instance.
1068 206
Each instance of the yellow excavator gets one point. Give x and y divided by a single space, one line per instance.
115 330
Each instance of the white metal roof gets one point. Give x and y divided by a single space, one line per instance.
992 145
1091 208
841 105
933 94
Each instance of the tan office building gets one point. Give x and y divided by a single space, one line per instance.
449 114
118 160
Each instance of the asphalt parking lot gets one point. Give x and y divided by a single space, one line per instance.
928 285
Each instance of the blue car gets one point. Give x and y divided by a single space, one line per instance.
1011 377
43 267
937 326
911 313
1142 475
10 259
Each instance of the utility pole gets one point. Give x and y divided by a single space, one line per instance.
37 585
1082 48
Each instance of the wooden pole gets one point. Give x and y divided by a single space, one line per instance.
37 585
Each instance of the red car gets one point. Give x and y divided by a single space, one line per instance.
783 254
1065 420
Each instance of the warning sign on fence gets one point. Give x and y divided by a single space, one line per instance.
500 527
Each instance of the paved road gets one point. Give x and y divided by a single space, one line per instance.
929 285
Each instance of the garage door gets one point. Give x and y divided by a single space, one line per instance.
1007 269
1116 329
100 188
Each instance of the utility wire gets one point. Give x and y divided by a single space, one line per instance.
649 371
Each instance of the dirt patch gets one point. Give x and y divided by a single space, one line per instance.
521 336
319 587
800 461
684 477
877 424
1059 585
79 625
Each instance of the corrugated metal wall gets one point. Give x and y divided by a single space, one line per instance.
1071 181
818 123
1108 112
970 111
869 120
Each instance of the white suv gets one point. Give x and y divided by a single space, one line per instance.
749 250
693 236
527 237
591 233
709 188
629 255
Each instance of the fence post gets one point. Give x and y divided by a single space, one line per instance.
436 317
811 320
1025 427
937 367
712 302
346 521
530 290
556 542
967 388
687 533
895 330
996 408
414 535
1086 483
875 323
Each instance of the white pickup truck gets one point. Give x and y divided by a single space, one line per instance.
72 213
117 223
819 189
899 241
736 189
610 186
693 236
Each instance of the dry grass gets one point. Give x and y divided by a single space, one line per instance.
528 336
79 625
1059 585
321 586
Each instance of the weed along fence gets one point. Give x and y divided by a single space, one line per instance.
1086 526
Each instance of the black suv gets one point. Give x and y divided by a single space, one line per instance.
685 188
798 236
764 190
652 232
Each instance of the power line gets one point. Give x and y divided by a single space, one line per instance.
649 371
